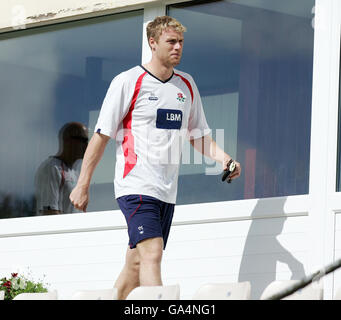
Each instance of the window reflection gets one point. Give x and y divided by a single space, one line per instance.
51 76
58 174
252 62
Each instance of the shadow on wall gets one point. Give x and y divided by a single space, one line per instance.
262 249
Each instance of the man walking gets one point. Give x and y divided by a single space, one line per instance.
148 110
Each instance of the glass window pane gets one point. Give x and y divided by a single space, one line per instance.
51 76
252 61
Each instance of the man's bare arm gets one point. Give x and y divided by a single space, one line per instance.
208 147
79 196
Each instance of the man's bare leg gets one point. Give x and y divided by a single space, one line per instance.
150 255
129 276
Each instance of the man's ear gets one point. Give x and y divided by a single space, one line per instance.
152 43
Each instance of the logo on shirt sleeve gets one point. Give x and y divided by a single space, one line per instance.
181 97
169 119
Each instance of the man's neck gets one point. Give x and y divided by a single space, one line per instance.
66 158
159 70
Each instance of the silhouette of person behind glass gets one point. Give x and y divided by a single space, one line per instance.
58 175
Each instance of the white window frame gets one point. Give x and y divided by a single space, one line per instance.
324 137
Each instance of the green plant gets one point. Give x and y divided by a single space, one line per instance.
19 284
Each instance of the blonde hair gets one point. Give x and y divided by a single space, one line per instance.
159 24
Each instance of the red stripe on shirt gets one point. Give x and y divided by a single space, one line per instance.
130 156
187 83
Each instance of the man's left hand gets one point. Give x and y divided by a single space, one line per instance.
236 172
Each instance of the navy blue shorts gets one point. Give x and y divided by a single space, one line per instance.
147 217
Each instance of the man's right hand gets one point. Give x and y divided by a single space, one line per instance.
79 197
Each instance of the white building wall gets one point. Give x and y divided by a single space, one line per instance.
255 240
29 13
337 253
258 251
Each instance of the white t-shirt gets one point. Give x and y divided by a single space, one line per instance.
150 120
54 182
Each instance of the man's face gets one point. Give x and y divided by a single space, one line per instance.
168 49
77 141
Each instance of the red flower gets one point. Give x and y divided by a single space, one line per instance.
7 284
180 95
14 275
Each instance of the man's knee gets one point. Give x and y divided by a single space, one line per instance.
132 261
